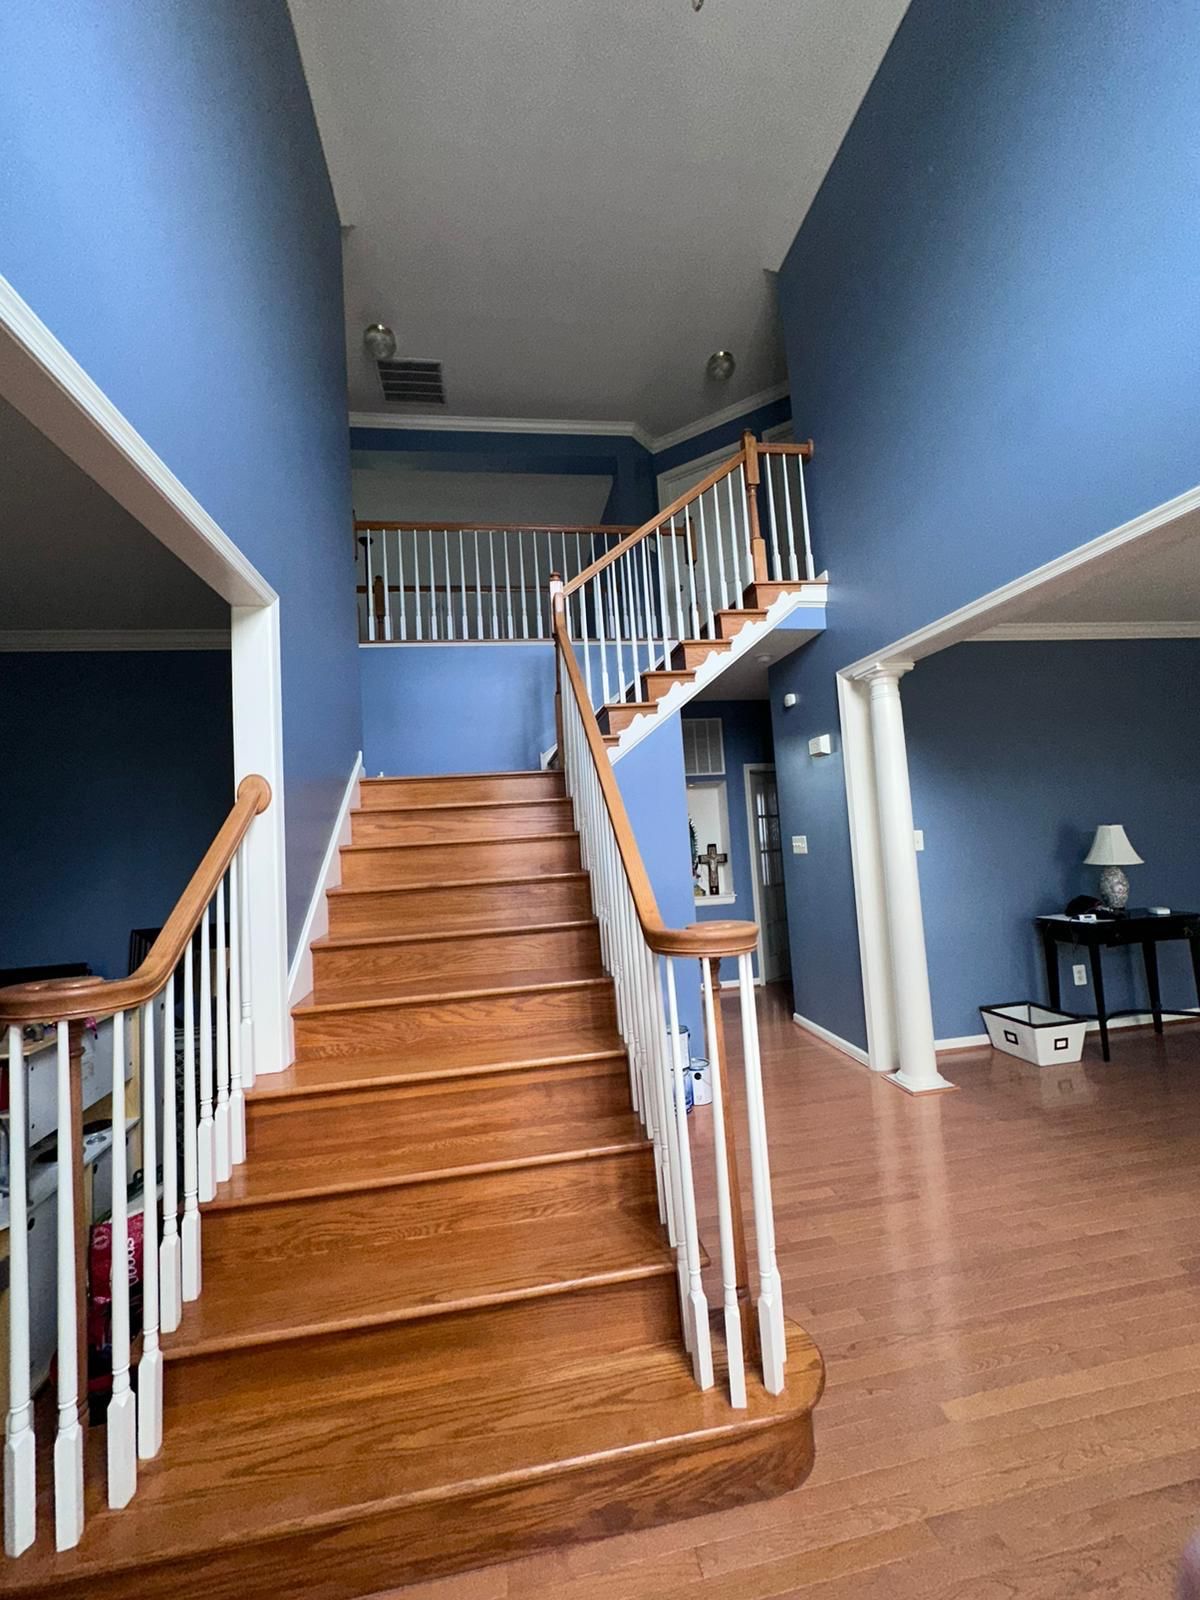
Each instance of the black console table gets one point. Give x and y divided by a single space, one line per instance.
1134 927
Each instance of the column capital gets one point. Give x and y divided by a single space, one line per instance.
884 672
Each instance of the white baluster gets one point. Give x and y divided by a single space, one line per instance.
221 1145
524 593
367 542
237 1088
690 563
479 628
418 620
810 570
508 604
651 625
614 605
537 587
770 1297
624 564
585 641
787 514
20 1450
169 1265
433 618
664 614
598 608
709 595
122 1407
681 624
740 583
150 1373
721 584
776 572
745 538
68 1443
462 586
492 560
387 597
191 1205
205 1137
729 1287
402 600
697 1303
245 989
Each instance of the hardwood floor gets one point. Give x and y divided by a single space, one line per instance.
1005 1284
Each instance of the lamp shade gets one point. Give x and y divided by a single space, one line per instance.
1111 848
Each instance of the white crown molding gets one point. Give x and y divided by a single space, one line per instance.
557 425
1017 632
1053 576
444 424
53 640
750 402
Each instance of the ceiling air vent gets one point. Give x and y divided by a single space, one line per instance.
409 382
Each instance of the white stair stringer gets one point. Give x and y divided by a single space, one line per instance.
808 593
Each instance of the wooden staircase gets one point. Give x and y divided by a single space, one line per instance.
688 656
440 1322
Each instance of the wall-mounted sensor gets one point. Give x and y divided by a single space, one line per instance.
789 700
822 745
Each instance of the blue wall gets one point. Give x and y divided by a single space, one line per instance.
993 333
438 708
1016 753
653 788
124 774
166 211
746 731
631 501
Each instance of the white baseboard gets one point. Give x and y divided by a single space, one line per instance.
316 920
838 1043
1140 1019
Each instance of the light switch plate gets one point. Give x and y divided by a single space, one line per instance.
799 844
919 838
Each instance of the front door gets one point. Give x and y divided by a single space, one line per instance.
766 856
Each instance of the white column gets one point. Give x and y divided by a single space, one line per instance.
918 1071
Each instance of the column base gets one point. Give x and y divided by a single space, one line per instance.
932 1085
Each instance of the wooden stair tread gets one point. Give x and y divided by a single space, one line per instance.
424 1438
455 844
447 1061
335 1276
389 1136
350 941
425 991
456 883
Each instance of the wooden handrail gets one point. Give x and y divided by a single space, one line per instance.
655 522
700 939
804 449
74 999
409 525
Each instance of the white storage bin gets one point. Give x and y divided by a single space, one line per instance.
1034 1033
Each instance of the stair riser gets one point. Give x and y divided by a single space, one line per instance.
368 969
594 1320
447 863
761 596
463 790
316 1231
536 1014
407 1544
423 825
618 718
570 1100
438 910
729 624
655 685
690 655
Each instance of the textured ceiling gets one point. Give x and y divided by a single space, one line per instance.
571 205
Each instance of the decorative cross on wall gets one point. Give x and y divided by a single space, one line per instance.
714 860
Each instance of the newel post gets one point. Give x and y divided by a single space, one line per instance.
557 608
758 548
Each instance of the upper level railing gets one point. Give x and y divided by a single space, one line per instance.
465 582
643 956
200 959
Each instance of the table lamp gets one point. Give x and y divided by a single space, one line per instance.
1112 850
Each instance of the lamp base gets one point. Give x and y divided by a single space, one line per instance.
1114 888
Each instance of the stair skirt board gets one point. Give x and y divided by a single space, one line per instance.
804 594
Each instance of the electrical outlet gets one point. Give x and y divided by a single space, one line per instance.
919 838
1079 973
799 844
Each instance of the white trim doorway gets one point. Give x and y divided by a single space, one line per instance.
42 380
874 806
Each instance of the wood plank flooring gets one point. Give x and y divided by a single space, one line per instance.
1005 1284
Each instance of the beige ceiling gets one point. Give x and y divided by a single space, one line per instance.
71 558
572 204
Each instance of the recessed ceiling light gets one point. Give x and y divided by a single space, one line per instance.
379 341
764 660
720 365
696 4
